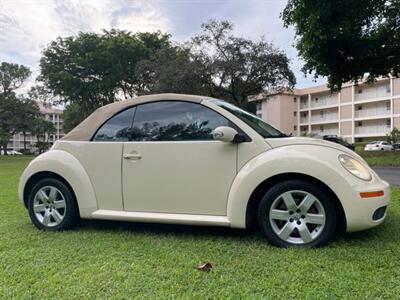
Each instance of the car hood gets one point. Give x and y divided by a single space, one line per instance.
289 141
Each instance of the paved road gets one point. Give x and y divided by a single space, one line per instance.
391 175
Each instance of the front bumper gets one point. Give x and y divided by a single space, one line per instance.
359 211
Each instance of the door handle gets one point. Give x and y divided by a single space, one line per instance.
132 156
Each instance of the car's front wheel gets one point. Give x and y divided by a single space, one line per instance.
297 213
52 205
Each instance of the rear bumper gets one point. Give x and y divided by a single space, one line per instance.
359 211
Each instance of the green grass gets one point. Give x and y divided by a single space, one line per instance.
381 158
118 260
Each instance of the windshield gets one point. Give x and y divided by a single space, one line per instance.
262 128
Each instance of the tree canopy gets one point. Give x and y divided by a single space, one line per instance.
96 69
12 76
345 40
90 70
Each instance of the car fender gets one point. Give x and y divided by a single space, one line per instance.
316 161
68 167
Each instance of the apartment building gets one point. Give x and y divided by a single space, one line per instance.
359 112
50 113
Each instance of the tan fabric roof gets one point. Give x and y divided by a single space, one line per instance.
85 130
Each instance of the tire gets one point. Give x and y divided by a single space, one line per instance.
285 223
52 205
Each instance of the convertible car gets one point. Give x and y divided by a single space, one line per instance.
185 159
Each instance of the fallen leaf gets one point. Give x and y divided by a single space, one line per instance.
206 267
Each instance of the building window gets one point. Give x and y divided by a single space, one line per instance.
359 107
295 128
321 113
359 124
316 100
258 105
388 123
294 99
295 114
321 128
387 106
388 88
360 91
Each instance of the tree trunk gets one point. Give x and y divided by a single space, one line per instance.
4 146
24 134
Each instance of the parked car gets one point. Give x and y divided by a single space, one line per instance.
11 152
195 160
378 146
396 146
337 140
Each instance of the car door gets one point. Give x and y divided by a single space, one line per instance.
172 164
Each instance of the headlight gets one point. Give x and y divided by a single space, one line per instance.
355 167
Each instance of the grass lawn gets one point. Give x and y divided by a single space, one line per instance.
120 260
381 158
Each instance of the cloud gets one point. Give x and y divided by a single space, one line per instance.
26 27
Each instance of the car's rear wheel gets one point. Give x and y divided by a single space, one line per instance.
297 213
52 205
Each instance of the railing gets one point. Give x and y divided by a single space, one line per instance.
378 129
303 105
371 94
325 101
326 132
371 112
326 117
304 120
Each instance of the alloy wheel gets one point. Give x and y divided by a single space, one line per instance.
297 217
49 206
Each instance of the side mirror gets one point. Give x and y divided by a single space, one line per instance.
227 134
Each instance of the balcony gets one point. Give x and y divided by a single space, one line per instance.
377 112
325 118
303 120
372 130
326 100
331 131
303 105
367 93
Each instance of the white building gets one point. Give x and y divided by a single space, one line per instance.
358 113
49 113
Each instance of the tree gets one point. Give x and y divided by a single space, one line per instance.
42 129
343 40
173 70
28 112
12 76
393 137
72 116
91 70
237 67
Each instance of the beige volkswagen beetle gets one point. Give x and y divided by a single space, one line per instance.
184 159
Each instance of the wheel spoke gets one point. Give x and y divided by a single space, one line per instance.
46 218
315 219
286 230
59 204
307 202
289 201
56 215
53 193
277 214
37 208
305 234
42 196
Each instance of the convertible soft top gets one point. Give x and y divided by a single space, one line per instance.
85 130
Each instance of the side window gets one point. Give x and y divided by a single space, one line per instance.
116 129
175 121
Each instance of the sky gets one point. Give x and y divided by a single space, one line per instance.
27 26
